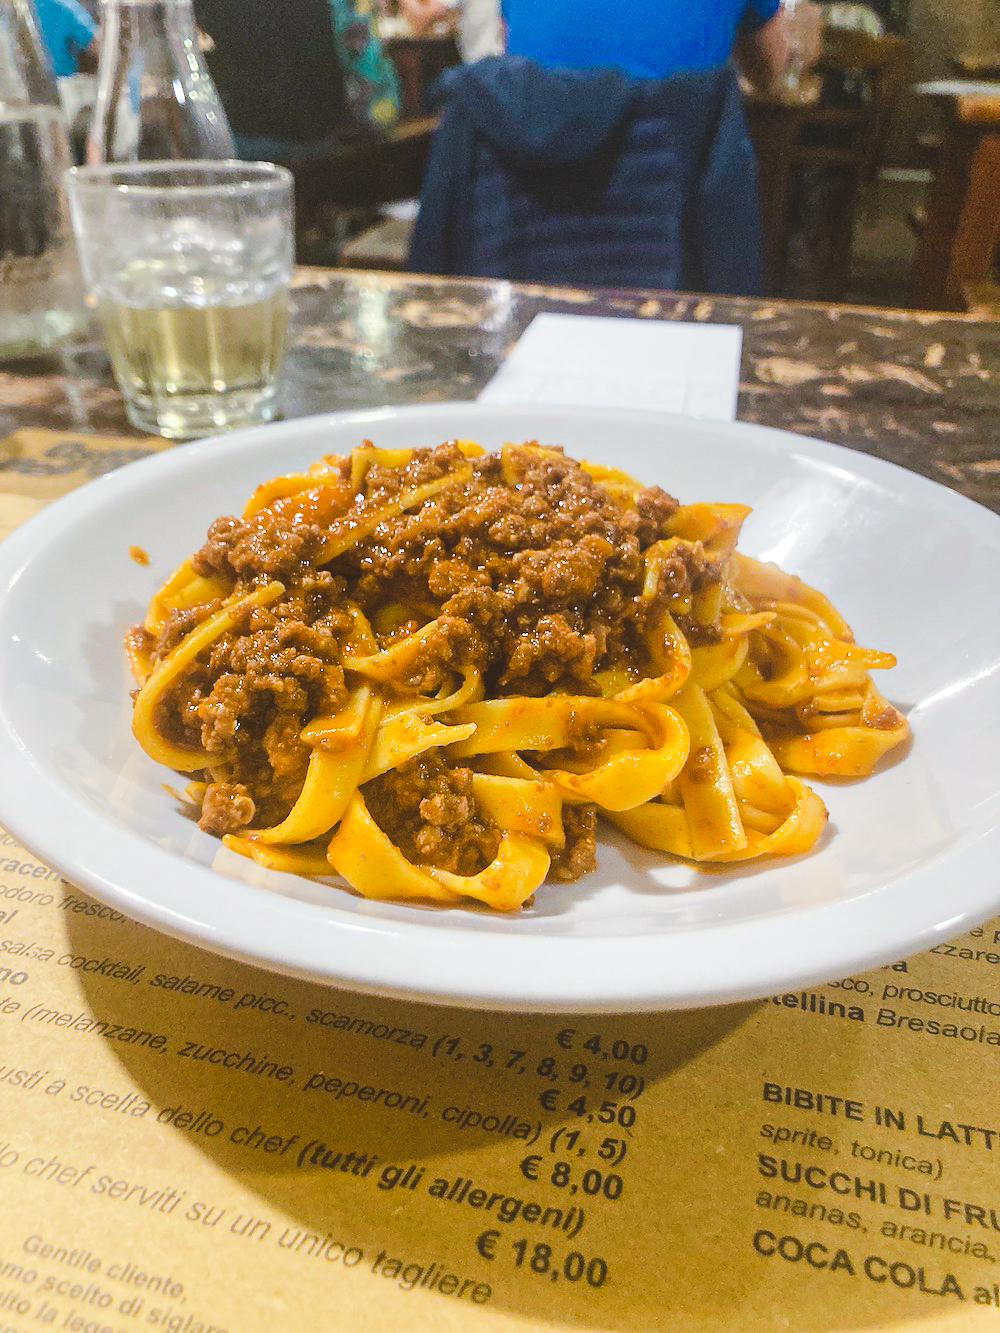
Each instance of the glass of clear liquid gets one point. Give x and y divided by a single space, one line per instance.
189 264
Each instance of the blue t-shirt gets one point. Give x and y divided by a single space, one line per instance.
67 29
647 40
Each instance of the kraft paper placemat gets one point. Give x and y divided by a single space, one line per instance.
189 1144
45 464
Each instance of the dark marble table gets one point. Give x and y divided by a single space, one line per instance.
919 389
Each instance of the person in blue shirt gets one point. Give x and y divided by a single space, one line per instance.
70 36
653 40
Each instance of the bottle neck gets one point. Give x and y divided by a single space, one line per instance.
155 96
151 31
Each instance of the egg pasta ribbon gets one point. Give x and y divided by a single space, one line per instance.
428 672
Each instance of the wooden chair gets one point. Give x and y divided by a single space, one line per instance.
382 241
591 178
354 179
960 229
885 65
419 61
837 140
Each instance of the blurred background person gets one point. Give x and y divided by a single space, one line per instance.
370 80
477 24
607 145
69 32
653 41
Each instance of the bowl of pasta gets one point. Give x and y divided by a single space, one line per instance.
525 708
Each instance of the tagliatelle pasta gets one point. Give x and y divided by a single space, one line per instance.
430 671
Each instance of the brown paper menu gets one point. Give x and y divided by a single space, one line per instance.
192 1145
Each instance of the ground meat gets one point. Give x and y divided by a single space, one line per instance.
225 808
545 564
579 856
656 508
276 541
246 703
262 545
430 812
552 650
532 571
177 625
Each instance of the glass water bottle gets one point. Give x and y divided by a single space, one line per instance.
155 96
41 299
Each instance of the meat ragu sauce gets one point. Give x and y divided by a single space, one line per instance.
533 571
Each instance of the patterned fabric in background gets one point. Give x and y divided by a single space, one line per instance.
370 80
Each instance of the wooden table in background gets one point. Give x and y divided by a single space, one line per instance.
961 233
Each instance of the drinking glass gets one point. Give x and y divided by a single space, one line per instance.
190 264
